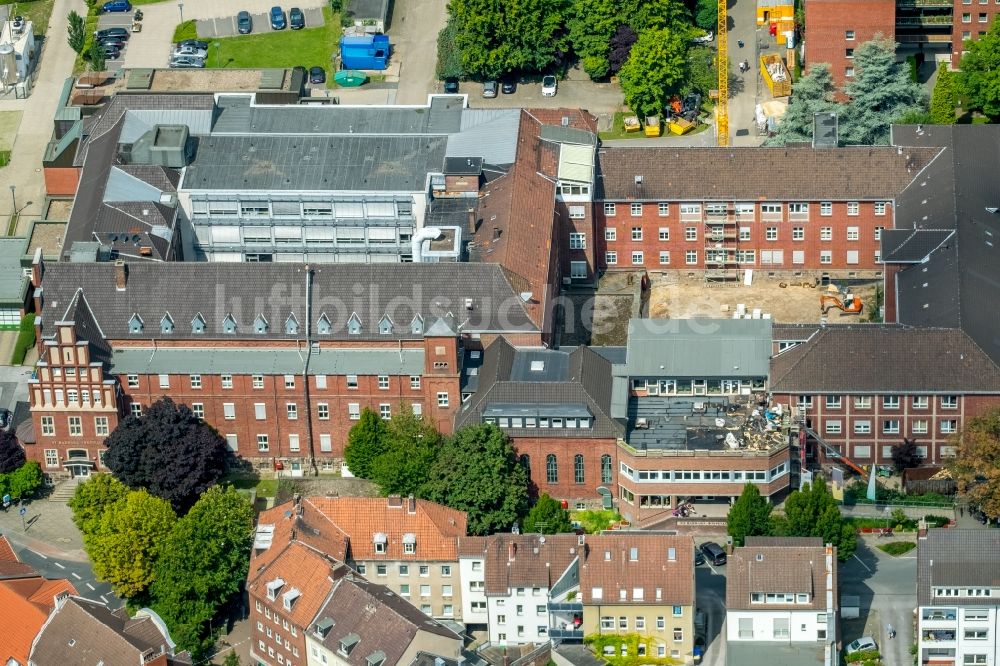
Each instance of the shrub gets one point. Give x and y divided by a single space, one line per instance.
186 30
25 339
895 548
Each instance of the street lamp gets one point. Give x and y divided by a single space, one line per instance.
180 6
13 199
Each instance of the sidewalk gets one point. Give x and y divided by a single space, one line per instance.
51 532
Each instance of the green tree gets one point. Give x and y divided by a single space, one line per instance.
366 441
880 93
813 94
202 566
131 536
813 512
643 15
980 73
232 659
703 71
92 498
591 24
944 99
657 63
547 517
76 29
411 445
449 58
23 481
750 515
706 14
476 471
495 38
96 56
976 466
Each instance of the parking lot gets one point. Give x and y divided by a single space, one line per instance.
226 26
117 20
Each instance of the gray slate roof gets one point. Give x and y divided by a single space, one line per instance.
214 290
807 174
960 559
726 348
912 245
885 359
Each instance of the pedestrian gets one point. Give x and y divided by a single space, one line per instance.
890 631
740 42
746 65
961 512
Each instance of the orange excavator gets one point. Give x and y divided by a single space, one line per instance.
845 302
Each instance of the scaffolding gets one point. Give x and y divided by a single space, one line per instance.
722 242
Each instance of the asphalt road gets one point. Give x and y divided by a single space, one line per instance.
710 586
78 573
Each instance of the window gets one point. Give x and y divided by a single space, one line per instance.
833 402
798 211
890 426
610 234
690 233
635 209
949 402
577 241
966 17
852 233
664 257
577 212
862 427
798 233
75 426
289 381
257 381
637 233
383 382
976 634
852 256
663 209
48 426
949 426
133 381
323 411
414 381
826 233
442 399
293 442
353 411
292 410
260 411
974 659
195 381
51 456
578 270
825 257
919 427
262 444
226 381
664 233
771 233
551 469
880 207
385 411
770 211
983 17
849 72
849 54
232 442
229 411
744 233
609 209
678 635
833 427
691 257
853 208
578 468
611 258
781 627
849 35
862 402
890 402
352 381
637 258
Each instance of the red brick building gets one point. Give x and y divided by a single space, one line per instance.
783 212
835 28
862 389
279 364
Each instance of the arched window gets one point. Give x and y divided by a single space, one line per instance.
605 468
578 468
551 469
526 461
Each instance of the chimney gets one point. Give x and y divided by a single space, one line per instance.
472 221
297 498
922 529
37 269
496 233
511 551
121 274
411 505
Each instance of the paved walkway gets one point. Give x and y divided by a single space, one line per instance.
51 531
25 168
413 33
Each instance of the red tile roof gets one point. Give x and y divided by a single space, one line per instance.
25 605
7 553
301 568
629 562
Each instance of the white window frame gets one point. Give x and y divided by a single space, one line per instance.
610 234
577 240
635 209
610 209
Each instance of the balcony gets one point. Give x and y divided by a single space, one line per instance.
937 635
919 39
566 606
566 635
932 20
904 4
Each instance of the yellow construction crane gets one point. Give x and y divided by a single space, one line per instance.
722 104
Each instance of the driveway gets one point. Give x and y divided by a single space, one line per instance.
117 20
710 588
572 93
151 47
413 31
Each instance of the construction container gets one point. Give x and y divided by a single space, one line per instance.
631 124
678 125
653 126
776 76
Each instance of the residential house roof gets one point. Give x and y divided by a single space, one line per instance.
372 619
7 553
472 546
698 348
958 559
86 632
885 359
301 578
211 292
706 174
779 565
26 599
912 245
635 568
536 379
527 560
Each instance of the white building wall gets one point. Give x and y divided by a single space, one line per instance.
517 629
936 623
803 625
472 575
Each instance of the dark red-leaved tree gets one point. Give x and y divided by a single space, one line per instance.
620 46
11 453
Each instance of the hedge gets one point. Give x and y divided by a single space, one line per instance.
25 339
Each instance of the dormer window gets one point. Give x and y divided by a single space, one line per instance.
229 324
323 326
135 324
385 326
354 325
166 324
291 325
273 587
380 540
288 598
198 324
417 325
259 325
348 643
409 543
375 659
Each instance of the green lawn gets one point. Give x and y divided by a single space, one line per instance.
39 12
307 47
9 122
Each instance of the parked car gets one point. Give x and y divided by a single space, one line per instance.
317 75
196 43
549 86
110 43
278 18
120 33
451 85
244 24
508 86
187 62
490 89
713 553
863 644
117 6
296 19
704 39
699 557
189 51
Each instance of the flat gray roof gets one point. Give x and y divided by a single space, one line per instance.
725 348
754 653
314 163
443 117
13 283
